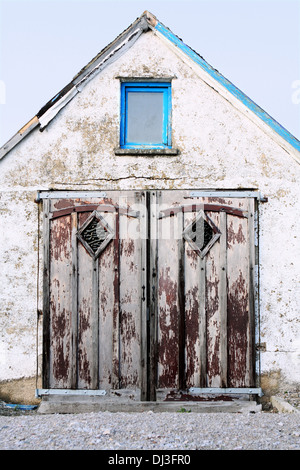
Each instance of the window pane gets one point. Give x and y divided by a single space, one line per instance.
145 117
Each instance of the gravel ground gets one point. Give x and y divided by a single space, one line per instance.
150 431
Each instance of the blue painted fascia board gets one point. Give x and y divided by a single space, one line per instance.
265 117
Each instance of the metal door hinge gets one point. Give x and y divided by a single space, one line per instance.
57 391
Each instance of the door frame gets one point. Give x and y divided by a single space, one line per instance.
149 311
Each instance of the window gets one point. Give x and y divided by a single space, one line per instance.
145 115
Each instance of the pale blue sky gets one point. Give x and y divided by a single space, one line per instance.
253 43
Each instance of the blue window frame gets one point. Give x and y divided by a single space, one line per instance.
145 115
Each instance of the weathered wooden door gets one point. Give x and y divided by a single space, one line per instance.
203 263
94 299
148 293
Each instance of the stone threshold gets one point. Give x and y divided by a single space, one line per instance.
63 404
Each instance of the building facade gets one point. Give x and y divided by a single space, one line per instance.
150 232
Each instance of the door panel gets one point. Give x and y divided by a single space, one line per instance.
205 304
93 338
238 301
60 303
213 310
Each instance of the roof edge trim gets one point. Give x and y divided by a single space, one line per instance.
26 129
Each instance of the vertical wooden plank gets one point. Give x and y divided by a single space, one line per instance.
257 339
143 221
130 296
60 302
251 234
95 325
107 275
213 310
153 290
223 299
192 305
116 310
74 322
168 305
238 301
202 322
46 294
85 283
181 302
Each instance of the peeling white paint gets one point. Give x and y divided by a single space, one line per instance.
52 112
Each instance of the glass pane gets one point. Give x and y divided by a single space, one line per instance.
94 234
145 118
201 233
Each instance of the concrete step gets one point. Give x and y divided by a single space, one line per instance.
74 404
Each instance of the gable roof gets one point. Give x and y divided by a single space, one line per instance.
125 40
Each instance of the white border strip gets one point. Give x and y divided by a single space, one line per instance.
61 391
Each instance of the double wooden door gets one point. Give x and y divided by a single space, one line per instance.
148 293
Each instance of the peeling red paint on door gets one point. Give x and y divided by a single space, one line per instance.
105 319
99 335
168 330
60 311
222 297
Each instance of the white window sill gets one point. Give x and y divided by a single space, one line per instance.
149 152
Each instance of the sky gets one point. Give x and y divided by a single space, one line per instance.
254 43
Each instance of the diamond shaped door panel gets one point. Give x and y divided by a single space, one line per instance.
95 234
201 234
